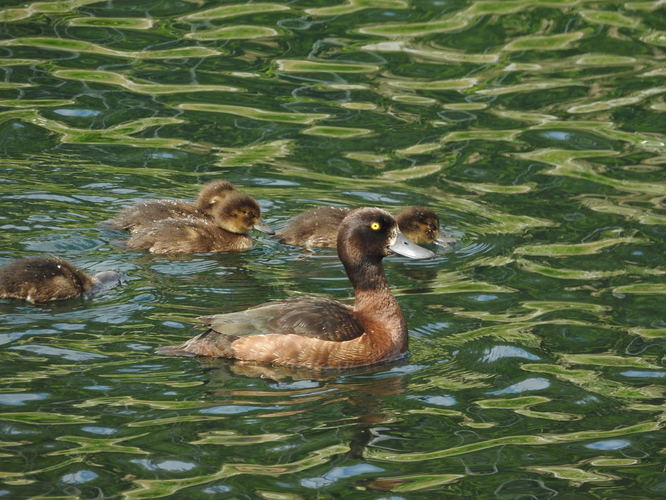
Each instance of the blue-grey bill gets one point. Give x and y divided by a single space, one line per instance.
406 247
264 228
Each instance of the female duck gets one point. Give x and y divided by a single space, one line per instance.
42 279
318 227
147 213
315 332
231 219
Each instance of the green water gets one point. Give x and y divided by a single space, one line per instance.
534 129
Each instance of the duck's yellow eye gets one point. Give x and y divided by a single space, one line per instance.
375 226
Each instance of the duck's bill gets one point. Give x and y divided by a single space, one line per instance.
407 248
106 280
264 228
445 241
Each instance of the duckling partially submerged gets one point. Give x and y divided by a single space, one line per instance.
147 213
318 227
43 279
315 332
226 230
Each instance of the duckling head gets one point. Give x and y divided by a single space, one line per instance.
213 194
421 225
239 213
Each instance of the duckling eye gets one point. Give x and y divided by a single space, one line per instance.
375 226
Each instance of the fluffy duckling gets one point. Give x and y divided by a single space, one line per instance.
42 279
147 213
232 218
318 227
315 332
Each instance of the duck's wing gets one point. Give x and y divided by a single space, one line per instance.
314 317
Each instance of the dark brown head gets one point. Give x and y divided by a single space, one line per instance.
366 233
237 213
421 225
365 237
212 194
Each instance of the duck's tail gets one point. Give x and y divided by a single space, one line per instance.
209 343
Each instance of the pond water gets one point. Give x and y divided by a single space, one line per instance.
534 129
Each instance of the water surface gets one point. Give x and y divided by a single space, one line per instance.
535 130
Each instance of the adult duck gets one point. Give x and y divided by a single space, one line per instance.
316 332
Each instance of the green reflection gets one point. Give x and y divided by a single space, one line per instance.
524 440
235 10
152 488
111 78
126 23
255 113
239 32
70 45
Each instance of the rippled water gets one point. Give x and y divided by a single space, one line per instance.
535 130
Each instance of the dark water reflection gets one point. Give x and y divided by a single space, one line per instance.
534 129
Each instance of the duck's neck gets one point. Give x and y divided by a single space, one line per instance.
376 307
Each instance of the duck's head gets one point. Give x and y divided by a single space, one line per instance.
371 234
239 213
212 195
421 225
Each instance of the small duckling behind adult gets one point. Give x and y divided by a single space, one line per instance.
232 218
147 213
43 279
318 227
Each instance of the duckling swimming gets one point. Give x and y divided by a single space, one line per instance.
318 227
43 279
314 332
226 231
147 213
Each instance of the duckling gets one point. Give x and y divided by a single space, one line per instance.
147 213
316 332
232 218
318 227
43 279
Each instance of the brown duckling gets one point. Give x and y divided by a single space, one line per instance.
315 332
232 218
318 227
147 213
42 279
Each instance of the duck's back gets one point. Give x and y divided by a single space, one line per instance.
147 213
42 279
317 227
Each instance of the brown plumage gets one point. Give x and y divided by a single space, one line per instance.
146 213
42 279
226 229
315 332
318 227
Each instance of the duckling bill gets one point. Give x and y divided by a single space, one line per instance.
44 279
315 332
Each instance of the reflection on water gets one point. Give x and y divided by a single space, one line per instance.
535 131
